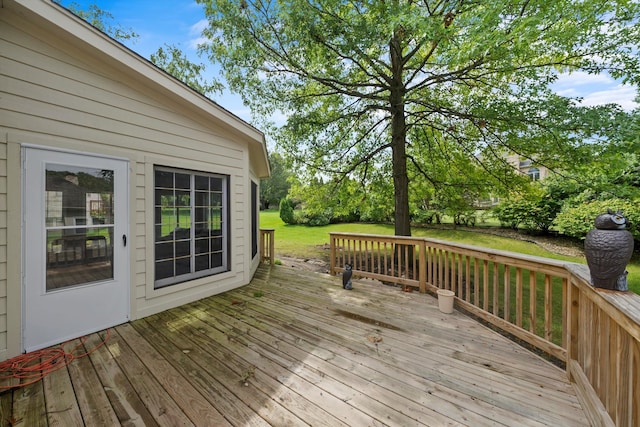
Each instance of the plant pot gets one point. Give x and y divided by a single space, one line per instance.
445 300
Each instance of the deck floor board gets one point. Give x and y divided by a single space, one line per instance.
292 349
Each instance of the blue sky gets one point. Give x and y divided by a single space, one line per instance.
180 22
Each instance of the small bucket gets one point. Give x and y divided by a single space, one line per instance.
445 300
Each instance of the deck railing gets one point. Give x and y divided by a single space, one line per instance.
267 246
547 303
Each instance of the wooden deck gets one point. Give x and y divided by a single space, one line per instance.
294 348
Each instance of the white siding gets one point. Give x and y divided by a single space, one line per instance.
54 94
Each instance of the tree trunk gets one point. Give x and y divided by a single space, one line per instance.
398 139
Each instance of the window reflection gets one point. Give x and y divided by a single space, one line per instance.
79 225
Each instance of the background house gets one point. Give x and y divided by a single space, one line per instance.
527 167
122 191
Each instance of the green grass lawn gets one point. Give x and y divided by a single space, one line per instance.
312 242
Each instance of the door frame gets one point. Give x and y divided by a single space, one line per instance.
123 263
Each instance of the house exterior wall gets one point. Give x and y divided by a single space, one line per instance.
56 93
524 167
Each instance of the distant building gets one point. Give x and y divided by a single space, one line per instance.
527 167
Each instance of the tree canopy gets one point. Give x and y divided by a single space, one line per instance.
169 58
422 85
172 60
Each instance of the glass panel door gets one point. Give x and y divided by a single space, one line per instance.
76 258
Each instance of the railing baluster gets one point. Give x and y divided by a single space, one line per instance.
547 307
532 301
485 285
459 280
519 297
476 278
468 278
496 290
445 270
507 292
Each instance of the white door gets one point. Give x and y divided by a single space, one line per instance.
76 269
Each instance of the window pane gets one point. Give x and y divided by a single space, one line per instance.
183 181
202 262
164 251
163 179
202 246
183 248
202 182
216 184
215 220
183 266
216 243
164 269
164 197
202 198
183 198
216 200
216 259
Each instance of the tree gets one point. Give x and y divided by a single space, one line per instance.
175 62
569 199
170 58
276 187
101 20
360 80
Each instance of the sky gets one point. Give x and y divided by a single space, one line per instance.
180 22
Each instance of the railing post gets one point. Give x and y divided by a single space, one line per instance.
422 266
332 254
267 245
571 330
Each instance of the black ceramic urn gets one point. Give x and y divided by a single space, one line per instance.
608 249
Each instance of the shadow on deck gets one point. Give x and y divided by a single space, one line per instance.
294 348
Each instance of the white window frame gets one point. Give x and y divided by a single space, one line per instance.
534 174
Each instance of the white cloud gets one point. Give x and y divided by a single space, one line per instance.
198 27
195 43
622 95
196 30
581 78
595 89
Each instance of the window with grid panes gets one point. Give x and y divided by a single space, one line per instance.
191 225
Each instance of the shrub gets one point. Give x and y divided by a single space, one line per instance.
286 211
511 213
314 219
426 216
535 212
576 221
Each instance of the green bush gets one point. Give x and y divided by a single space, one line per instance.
511 213
286 211
426 216
576 221
536 212
313 219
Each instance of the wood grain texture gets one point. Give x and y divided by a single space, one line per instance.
294 348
